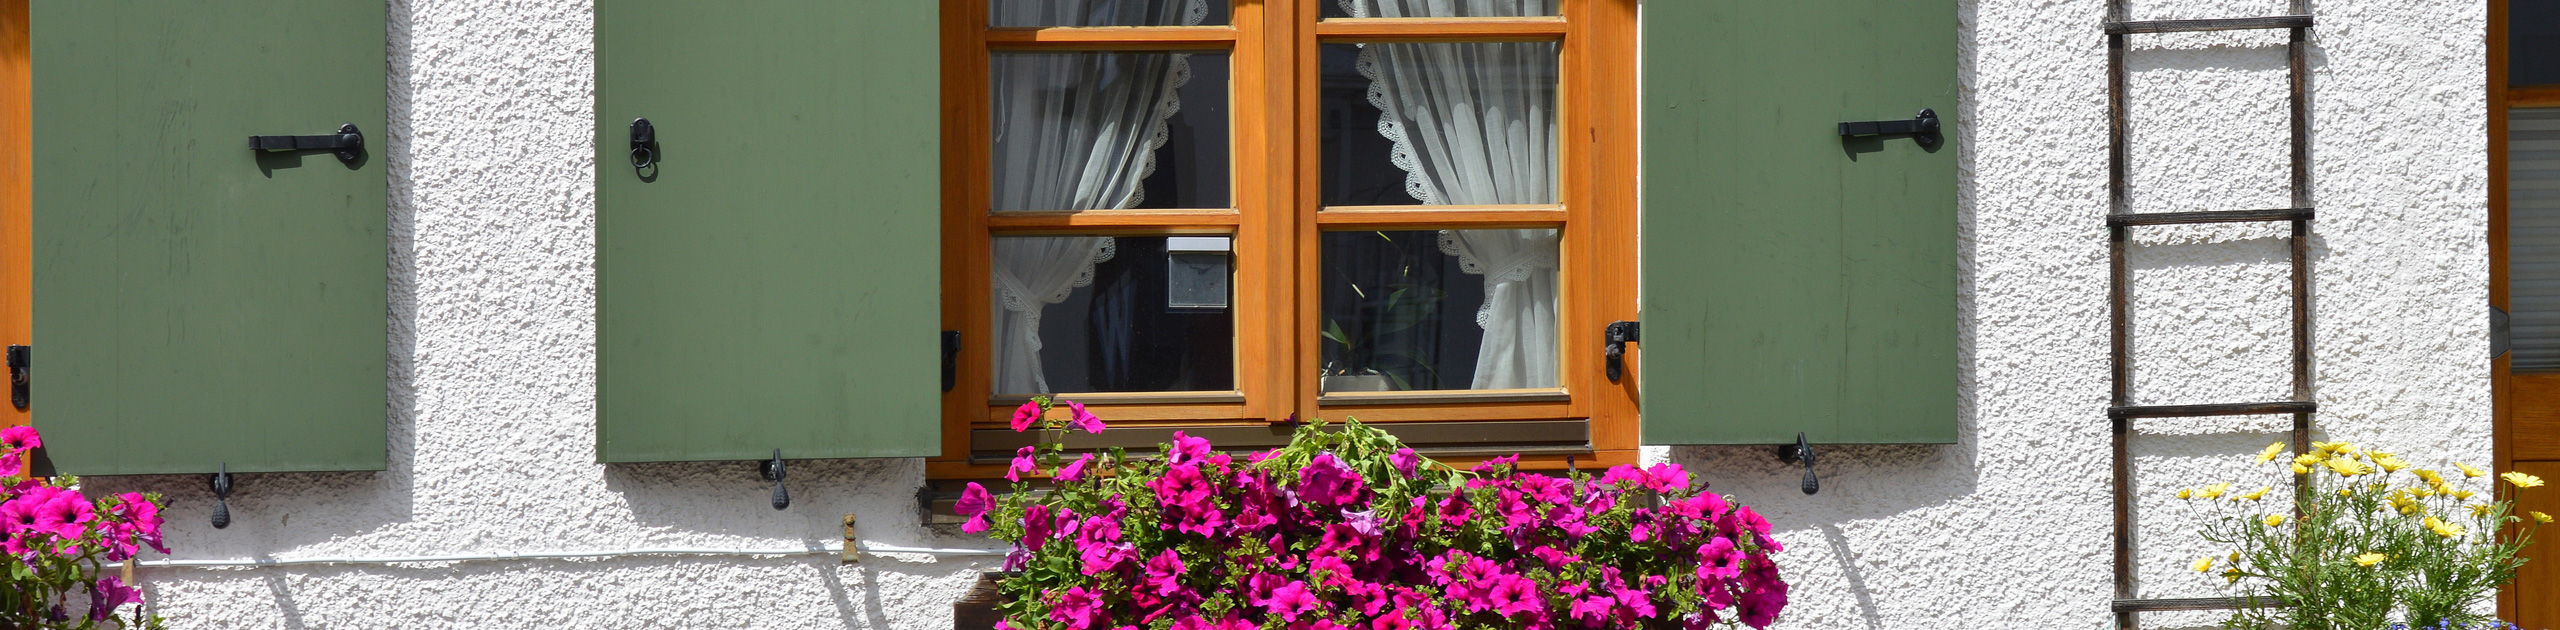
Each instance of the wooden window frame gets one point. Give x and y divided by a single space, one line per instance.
1276 220
2503 380
17 192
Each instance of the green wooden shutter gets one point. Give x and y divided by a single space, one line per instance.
199 304
774 282
1793 280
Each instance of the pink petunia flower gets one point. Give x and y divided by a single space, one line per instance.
1084 420
108 594
1080 609
1719 560
1026 415
1405 461
1185 449
1325 481
1291 600
1036 526
974 503
1075 470
64 515
1164 573
1513 596
20 439
19 515
1506 462
1666 477
1024 462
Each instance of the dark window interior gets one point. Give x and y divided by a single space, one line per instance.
2533 42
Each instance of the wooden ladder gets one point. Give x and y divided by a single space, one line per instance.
2120 223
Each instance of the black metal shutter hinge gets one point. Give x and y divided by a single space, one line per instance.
1619 334
2501 337
950 360
18 375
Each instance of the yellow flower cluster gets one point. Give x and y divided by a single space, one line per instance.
2370 559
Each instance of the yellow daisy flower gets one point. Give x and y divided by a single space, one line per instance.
2253 496
2442 528
2273 520
2271 452
2431 477
2215 491
2540 517
2371 559
2230 576
2389 464
2348 467
2202 565
2467 471
2185 493
2300 469
2310 458
2460 494
2522 480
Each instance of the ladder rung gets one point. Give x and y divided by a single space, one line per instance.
2225 409
2210 216
2197 603
2190 26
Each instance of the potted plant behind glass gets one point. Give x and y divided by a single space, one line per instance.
1382 312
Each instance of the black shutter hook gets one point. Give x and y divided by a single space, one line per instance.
1801 453
221 485
773 472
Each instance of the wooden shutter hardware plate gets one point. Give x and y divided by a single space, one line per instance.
348 143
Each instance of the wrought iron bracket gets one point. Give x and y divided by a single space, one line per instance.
772 471
19 367
1924 125
220 483
1801 453
1618 335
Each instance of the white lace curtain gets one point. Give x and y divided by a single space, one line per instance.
1474 124
1075 131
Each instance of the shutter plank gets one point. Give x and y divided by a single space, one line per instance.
1794 280
197 304
776 282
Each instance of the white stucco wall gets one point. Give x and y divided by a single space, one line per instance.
493 338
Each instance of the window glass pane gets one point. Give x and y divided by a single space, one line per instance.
1438 8
1109 130
1439 124
1439 310
1034 13
1112 314
2533 42
2533 238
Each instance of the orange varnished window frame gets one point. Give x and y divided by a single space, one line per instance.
17 172
1276 218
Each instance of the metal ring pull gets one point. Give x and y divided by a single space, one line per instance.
644 144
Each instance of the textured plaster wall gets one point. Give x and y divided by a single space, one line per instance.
493 412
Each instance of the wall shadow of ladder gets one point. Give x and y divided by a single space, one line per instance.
2120 222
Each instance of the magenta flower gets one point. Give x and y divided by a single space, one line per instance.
1514 595
1075 471
1185 449
1036 526
1751 521
108 594
1505 462
1084 420
1025 416
1759 607
1719 560
1665 477
1024 462
1633 601
1164 573
1405 461
1080 609
1593 611
974 504
19 515
1623 473
1325 481
64 514
19 439
1291 600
